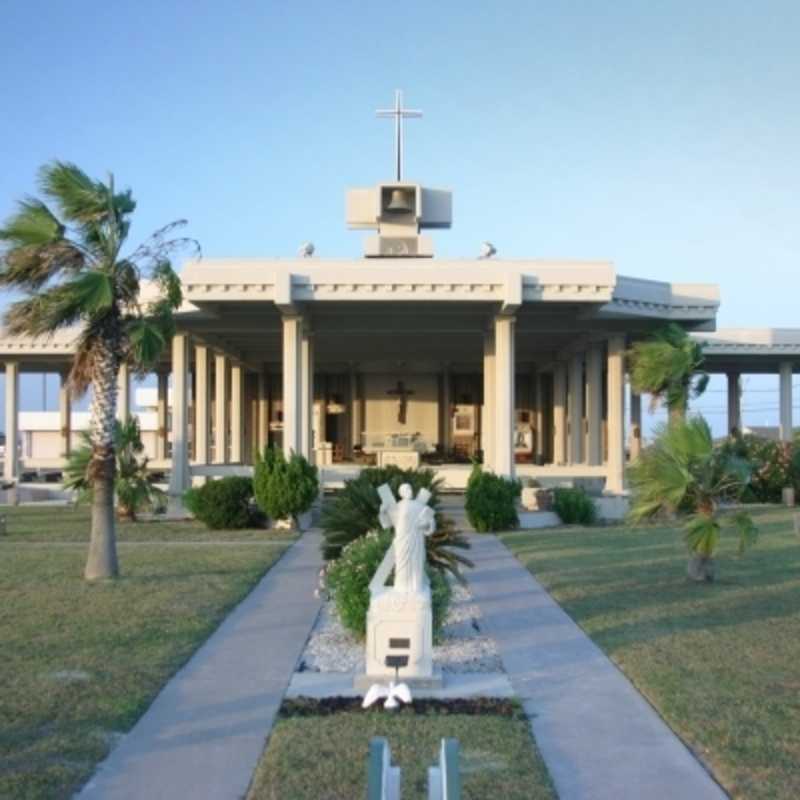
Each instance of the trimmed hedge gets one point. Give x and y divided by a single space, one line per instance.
222 504
574 506
491 501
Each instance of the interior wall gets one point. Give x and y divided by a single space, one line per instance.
422 407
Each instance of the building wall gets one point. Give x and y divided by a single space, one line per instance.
422 409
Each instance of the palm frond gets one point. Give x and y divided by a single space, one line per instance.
81 200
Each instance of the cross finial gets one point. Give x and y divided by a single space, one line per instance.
399 113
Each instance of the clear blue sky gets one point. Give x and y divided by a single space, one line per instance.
661 136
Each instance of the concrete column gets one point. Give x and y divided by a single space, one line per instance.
786 423
594 405
179 473
307 442
488 414
123 393
202 401
11 459
446 415
65 416
576 432
237 415
355 412
636 426
263 411
162 414
615 479
505 372
220 409
734 403
560 414
292 384
539 417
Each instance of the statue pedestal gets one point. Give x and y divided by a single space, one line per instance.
401 624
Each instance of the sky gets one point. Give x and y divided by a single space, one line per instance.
662 136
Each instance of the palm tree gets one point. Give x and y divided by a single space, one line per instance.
668 367
683 473
68 262
132 485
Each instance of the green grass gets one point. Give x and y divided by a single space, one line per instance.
721 662
70 524
81 662
318 756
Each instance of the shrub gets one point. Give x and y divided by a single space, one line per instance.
222 504
284 489
773 466
490 501
574 506
353 512
348 580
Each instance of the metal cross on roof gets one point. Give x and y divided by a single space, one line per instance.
399 113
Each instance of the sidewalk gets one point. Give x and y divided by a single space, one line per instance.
599 737
205 732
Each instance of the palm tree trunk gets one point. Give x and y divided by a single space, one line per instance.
102 561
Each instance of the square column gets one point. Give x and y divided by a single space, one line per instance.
162 399
262 403
202 401
734 403
307 394
576 409
292 384
636 426
237 418
560 414
615 477
123 393
488 412
505 369
786 423
445 416
536 379
65 416
594 405
220 409
179 473
11 458
355 412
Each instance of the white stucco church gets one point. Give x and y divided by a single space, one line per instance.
401 357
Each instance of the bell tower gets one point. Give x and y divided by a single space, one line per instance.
398 210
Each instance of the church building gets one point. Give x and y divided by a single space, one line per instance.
400 357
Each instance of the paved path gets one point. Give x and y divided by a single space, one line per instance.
203 735
598 736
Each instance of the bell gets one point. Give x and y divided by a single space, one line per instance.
399 202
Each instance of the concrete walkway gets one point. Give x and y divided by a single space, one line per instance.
598 736
206 730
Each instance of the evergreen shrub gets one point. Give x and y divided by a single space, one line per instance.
284 489
491 501
574 506
223 504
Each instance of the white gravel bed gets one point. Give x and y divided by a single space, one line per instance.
464 647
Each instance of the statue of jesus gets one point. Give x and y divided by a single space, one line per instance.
412 519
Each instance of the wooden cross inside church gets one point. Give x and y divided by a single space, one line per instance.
402 395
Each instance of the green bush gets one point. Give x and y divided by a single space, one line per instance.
574 506
222 504
490 501
773 466
284 489
348 580
353 512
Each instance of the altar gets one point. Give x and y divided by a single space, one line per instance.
402 450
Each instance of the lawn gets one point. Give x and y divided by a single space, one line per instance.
720 662
317 752
81 662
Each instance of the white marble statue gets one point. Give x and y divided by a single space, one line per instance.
413 520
